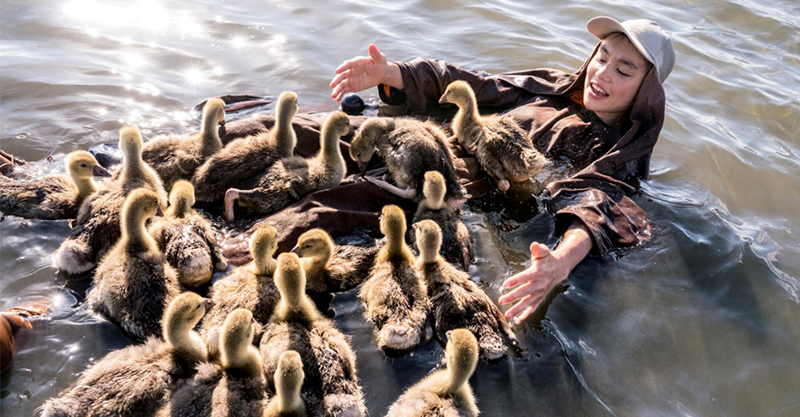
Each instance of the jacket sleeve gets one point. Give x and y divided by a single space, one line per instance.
425 81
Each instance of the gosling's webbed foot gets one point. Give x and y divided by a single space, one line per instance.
407 193
230 198
503 185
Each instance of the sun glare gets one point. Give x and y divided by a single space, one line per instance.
195 76
147 16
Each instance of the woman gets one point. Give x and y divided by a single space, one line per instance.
605 117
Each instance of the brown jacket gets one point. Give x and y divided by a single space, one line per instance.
608 162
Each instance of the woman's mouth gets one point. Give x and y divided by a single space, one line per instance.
597 91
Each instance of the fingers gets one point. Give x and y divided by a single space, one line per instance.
519 293
519 278
340 90
339 78
375 54
522 310
539 251
349 64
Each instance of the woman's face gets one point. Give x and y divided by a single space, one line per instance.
613 78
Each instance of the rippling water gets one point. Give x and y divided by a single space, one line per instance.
703 320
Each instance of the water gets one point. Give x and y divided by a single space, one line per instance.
703 320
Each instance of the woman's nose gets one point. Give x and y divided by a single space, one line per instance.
603 72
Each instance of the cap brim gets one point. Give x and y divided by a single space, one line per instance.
602 26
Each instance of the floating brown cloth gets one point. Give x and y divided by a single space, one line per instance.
608 161
352 204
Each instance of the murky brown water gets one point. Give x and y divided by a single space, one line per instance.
704 320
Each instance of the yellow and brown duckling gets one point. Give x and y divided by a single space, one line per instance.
176 157
249 286
410 148
445 392
456 242
456 301
137 380
250 156
394 297
331 385
288 380
330 267
292 178
498 142
187 239
54 197
133 284
136 172
97 227
234 388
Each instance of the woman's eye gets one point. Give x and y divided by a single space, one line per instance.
622 73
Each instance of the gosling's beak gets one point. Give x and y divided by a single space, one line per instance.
296 251
99 171
159 212
443 99
221 131
362 166
208 303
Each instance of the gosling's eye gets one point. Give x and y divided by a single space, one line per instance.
307 246
83 165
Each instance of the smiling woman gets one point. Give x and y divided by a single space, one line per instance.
621 110
613 78
704 319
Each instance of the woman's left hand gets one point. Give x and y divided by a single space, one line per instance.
547 270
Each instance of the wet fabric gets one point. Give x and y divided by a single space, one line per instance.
608 160
353 204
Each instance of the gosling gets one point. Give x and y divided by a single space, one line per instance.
236 388
498 142
445 392
54 197
288 381
456 241
187 239
249 286
330 267
456 301
410 148
177 157
247 157
394 297
331 385
96 228
133 283
138 380
291 179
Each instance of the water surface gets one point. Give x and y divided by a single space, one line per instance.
703 320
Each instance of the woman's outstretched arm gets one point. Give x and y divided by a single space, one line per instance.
548 269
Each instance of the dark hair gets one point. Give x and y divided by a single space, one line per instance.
617 37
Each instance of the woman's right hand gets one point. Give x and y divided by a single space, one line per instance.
363 72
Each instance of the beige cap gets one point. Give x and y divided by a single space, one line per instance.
646 35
